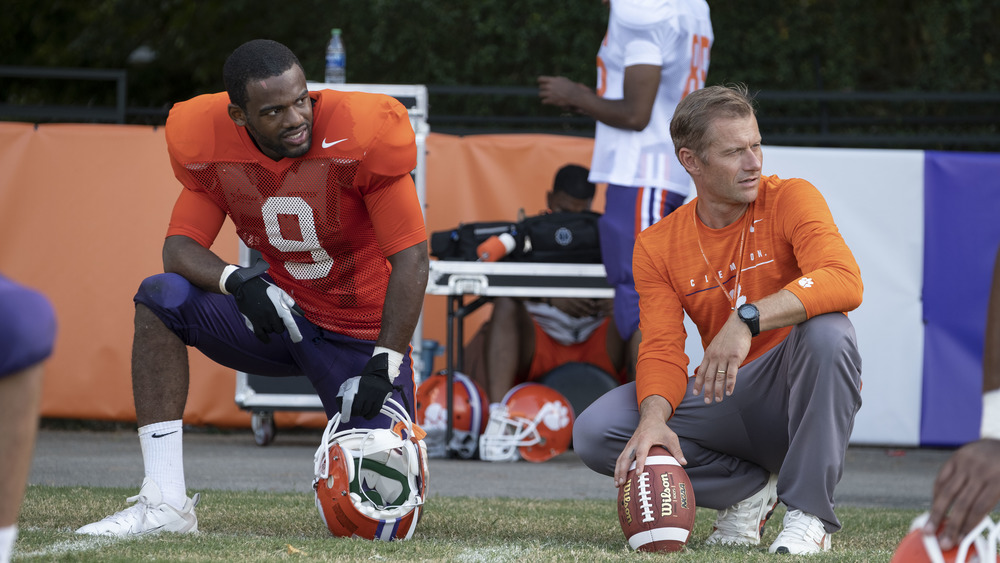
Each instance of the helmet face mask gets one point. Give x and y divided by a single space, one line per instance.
977 546
534 422
371 483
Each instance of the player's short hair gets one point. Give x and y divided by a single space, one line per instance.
255 60
694 115
572 181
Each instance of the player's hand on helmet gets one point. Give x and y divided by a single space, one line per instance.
966 490
363 395
266 308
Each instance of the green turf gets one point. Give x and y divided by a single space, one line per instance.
257 526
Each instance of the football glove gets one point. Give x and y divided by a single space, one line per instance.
363 395
265 307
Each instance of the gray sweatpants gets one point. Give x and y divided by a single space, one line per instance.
791 413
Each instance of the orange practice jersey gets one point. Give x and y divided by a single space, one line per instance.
325 221
793 244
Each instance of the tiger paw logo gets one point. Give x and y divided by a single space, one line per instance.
806 282
436 416
740 298
556 415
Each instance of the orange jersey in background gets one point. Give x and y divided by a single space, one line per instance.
325 221
791 242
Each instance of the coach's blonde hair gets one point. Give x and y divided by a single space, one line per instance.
693 116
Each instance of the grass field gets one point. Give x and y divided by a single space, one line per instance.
257 526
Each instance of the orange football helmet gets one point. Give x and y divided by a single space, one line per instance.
470 407
372 483
533 422
979 546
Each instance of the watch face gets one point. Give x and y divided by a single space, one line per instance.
747 312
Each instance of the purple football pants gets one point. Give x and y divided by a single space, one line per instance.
213 324
627 211
27 327
791 413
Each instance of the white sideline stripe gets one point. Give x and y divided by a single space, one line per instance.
488 554
658 460
658 534
88 543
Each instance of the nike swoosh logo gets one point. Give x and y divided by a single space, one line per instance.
162 435
327 145
139 532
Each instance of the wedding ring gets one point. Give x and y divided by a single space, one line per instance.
721 372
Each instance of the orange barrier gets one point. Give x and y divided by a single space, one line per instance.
83 212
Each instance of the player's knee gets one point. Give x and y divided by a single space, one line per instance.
163 292
27 328
505 306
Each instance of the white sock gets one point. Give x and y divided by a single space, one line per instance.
8 535
163 457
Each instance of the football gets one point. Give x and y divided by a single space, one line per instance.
656 507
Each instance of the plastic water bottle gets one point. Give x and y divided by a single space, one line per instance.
496 247
336 59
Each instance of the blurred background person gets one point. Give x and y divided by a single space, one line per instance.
654 54
27 335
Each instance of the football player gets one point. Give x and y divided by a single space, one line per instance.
27 335
654 54
525 339
968 486
319 183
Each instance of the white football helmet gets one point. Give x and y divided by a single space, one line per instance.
533 422
978 546
372 483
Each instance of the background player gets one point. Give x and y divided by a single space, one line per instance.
337 220
654 54
525 339
27 335
968 486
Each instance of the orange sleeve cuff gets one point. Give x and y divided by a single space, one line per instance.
197 217
660 378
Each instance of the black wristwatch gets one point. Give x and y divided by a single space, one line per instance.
749 314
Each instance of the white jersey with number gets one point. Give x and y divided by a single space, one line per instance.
675 35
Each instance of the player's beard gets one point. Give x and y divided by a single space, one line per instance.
275 145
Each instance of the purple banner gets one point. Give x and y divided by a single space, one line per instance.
961 236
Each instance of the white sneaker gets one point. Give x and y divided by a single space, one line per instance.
804 534
743 523
149 515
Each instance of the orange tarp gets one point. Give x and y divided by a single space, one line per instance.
83 212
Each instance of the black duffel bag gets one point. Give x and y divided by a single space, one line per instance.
561 237
552 237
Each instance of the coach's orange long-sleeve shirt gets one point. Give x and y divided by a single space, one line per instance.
791 242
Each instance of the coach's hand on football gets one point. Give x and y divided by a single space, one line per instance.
652 430
266 308
363 395
716 375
